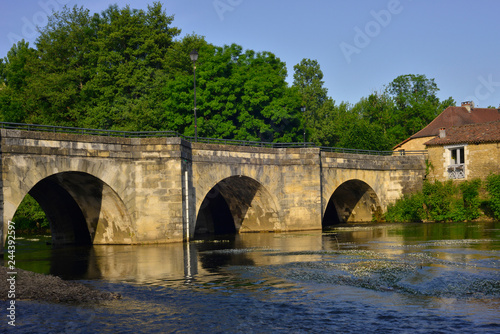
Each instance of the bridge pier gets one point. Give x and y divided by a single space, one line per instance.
112 190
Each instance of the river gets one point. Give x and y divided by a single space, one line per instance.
361 278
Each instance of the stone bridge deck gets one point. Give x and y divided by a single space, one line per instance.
111 190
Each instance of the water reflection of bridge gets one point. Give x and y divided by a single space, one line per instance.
175 263
120 190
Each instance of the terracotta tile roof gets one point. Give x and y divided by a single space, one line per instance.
470 134
458 116
455 116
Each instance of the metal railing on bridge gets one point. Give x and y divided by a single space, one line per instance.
85 131
372 152
247 142
166 134
354 151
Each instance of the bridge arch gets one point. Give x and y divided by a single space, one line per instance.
82 209
353 201
237 204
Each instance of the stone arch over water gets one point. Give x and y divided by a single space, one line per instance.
237 204
352 201
82 209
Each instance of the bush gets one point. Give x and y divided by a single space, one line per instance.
438 199
493 187
409 208
468 208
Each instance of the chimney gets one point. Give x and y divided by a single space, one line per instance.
469 105
442 133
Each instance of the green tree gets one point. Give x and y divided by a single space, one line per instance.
377 108
130 68
377 124
323 131
62 68
416 104
358 133
308 78
240 95
308 81
103 70
14 74
410 90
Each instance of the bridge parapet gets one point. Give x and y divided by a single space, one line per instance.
47 143
254 155
372 162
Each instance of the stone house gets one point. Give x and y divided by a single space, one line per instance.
465 152
450 117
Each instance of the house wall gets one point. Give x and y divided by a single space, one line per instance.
416 144
483 160
480 161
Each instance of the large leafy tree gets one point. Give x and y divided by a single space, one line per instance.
240 95
377 122
130 68
96 70
377 108
63 67
308 80
324 130
416 103
14 74
378 114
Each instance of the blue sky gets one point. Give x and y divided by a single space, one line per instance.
361 45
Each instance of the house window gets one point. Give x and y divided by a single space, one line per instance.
456 166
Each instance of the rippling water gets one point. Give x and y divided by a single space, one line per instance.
390 278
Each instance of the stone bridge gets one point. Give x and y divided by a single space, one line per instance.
113 190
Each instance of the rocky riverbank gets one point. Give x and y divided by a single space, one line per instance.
48 288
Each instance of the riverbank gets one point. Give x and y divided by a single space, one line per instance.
48 288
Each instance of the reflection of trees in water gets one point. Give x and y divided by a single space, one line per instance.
74 262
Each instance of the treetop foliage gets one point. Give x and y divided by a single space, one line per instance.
126 69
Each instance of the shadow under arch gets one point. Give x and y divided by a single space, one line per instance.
237 204
82 210
352 201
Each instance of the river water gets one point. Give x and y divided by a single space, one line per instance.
363 278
